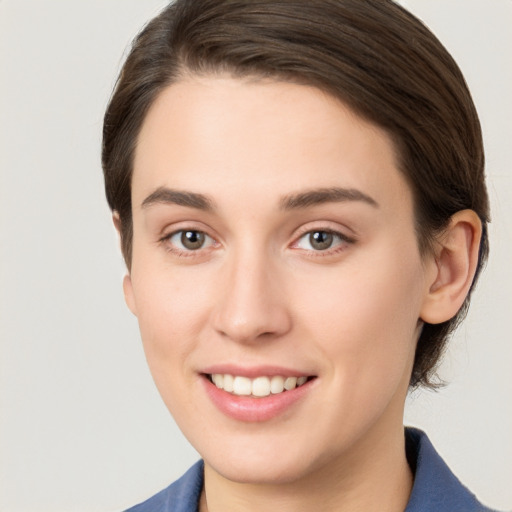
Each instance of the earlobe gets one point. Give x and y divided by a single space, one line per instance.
127 280
128 294
117 222
456 260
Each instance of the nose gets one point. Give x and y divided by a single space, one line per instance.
253 302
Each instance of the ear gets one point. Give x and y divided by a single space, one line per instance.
117 221
127 280
129 297
455 262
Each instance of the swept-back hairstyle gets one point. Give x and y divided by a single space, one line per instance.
372 55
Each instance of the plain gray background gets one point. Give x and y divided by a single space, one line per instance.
82 427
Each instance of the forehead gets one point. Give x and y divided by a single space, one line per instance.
215 134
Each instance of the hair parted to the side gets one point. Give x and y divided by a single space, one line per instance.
372 55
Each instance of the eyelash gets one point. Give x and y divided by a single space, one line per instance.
186 253
341 244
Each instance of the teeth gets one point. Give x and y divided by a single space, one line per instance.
290 383
242 386
277 385
258 387
218 380
301 380
261 386
228 383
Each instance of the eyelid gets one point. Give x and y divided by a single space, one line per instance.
329 227
344 239
307 229
338 235
181 231
173 248
171 229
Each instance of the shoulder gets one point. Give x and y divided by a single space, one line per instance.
435 487
181 496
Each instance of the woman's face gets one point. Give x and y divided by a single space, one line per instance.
273 241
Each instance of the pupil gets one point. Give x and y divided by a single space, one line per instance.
192 239
321 240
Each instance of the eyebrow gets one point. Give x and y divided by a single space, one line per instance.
306 199
319 196
164 195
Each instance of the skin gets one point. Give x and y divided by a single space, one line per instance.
259 293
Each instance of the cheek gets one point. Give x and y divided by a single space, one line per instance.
365 320
171 313
172 308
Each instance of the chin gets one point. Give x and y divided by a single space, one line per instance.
274 464
260 473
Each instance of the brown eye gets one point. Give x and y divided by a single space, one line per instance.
321 240
188 240
192 240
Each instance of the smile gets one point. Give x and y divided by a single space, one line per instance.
259 387
257 394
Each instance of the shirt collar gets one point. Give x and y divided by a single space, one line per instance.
435 486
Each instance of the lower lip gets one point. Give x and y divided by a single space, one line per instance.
250 409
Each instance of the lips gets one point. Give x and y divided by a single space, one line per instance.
257 394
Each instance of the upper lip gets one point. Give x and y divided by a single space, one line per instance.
254 371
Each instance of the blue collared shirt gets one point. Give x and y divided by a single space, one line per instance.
435 489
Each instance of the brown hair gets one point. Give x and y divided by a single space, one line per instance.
371 54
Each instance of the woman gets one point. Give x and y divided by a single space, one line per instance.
299 191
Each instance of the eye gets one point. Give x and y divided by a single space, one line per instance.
320 240
189 240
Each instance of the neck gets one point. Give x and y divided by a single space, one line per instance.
374 476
